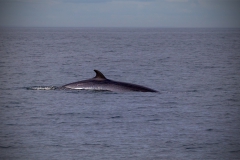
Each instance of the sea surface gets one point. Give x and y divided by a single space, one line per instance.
195 114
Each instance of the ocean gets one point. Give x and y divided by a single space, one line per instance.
195 114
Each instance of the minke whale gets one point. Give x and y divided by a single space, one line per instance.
100 82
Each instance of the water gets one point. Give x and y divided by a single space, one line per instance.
195 115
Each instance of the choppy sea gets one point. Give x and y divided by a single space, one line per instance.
195 114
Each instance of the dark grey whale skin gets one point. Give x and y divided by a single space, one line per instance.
100 82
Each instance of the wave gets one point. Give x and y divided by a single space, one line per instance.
42 88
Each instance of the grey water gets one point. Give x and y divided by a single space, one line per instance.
195 114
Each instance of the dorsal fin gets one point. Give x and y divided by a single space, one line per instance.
99 75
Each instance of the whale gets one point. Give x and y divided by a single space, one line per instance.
101 83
